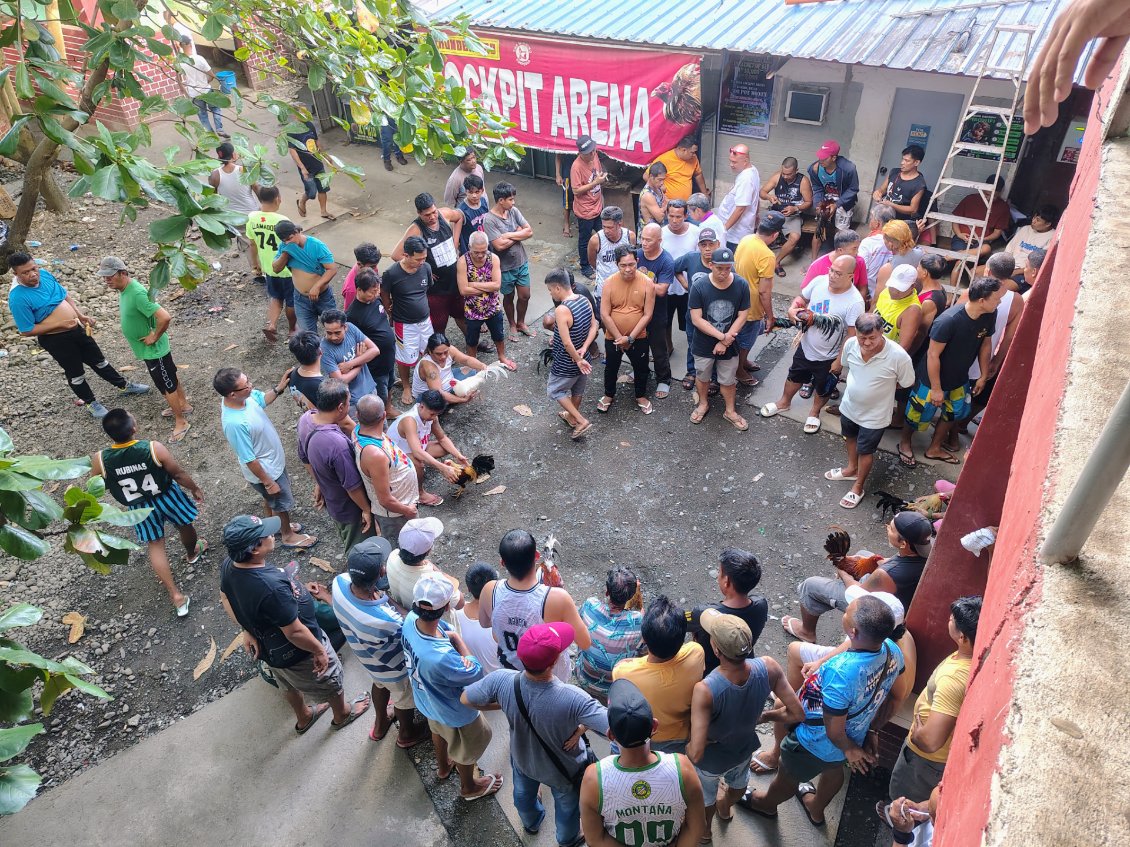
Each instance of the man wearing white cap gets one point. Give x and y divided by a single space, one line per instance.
897 304
440 666
876 368
409 564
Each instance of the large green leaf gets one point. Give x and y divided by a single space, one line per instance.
57 685
107 183
10 481
49 87
85 540
21 614
20 543
213 28
168 230
114 516
18 705
14 740
11 139
18 785
6 445
116 542
14 680
23 82
44 467
16 654
95 564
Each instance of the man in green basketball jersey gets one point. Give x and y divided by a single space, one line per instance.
639 798
144 474
264 245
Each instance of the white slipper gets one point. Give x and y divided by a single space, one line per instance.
812 425
769 410
850 500
837 475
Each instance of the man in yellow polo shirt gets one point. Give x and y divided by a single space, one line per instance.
684 173
923 756
756 263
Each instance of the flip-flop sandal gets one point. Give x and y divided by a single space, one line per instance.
739 423
645 407
806 391
582 432
353 715
199 550
907 459
850 500
178 435
496 782
713 390
749 383
409 745
800 795
833 410
759 767
787 625
392 719
770 815
301 208
812 426
661 394
302 545
509 364
883 810
754 367
769 410
564 416
182 609
513 338
688 383
603 405
837 475
779 271
438 502
168 413
948 459
328 217
698 414
315 713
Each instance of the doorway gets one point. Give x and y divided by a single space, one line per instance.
926 118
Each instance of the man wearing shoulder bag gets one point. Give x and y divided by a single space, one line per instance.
547 719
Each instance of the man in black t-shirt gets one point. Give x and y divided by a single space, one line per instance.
739 572
404 292
905 190
717 306
303 147
279 625
959 337
367 313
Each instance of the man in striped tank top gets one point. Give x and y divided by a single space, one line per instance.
639 798
511 606
574 330
386 470
144 474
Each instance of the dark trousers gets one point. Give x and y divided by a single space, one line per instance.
73 350
657 339
637 355
585 229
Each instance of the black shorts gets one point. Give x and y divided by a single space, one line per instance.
802 370
866 440
163 372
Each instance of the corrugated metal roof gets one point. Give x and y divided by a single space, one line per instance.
946 36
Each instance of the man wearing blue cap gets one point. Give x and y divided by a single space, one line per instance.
279 626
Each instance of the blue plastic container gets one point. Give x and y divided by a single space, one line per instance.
226 80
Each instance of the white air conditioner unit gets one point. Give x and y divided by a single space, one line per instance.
806 107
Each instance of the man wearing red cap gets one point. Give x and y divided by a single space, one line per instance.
547 720
835 188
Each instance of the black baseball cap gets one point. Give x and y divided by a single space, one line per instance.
585 144
286 229
244 531
722 256
366 562
629 714
915 528
772 222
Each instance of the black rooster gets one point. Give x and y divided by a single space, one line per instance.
480 466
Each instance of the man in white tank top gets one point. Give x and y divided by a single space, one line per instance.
241 197
640 798
511 606
386 470
603 244
419 434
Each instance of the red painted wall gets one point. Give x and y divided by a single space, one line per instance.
1014 582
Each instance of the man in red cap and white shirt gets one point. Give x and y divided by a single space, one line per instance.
547 720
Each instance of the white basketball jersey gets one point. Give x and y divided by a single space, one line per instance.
642 807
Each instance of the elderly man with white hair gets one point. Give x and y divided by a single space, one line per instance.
478 273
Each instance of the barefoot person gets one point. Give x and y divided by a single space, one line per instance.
418 433
256 444
574 330
145 325
144 474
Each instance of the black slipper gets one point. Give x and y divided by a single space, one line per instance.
800 794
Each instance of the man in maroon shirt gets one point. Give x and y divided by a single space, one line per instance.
1000 218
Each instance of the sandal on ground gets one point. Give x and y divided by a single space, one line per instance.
806 391
787 625
424 735
771 815
496 781
199 550
749 383
364 701
661 391
907 459
438 501
697 414
737 421
949 458
811 425
779 271
603 404
688 383
770 409
271 334
301 206
838 475
645 407
565 417
757 766
168 413
390 716
850 500
805 789
329 217
306 543
581 432
526 331
182 609
713 390
178 435
315 713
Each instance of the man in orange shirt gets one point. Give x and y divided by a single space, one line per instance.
626 307
684 173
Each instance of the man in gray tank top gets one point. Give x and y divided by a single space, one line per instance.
726 708
603 244
511 606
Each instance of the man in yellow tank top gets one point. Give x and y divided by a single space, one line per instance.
897 305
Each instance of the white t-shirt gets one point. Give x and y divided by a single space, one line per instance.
869 397
744 193
479 640
679 245
874 253
847 306
195 70
1025 241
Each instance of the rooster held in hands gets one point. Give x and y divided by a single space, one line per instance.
479 469
931 506
838 543
475 382
682 96
547 565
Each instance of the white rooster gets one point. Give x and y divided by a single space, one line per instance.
475 382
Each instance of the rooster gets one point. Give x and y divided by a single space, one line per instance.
838 543
548 573
545 359
479 469
475 382
828 325
931 506
682 96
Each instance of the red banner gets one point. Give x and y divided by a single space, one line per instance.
635 104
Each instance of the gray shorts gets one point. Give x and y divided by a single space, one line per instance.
390 527
301 677
560 387
281 502
793 225
914 776
820 594
724 370
679 745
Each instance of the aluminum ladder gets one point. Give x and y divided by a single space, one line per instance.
1014 71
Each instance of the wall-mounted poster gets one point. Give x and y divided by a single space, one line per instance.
747 97
990 129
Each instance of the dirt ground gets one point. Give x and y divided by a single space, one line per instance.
654 493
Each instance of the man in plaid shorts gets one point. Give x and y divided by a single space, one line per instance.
144 474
